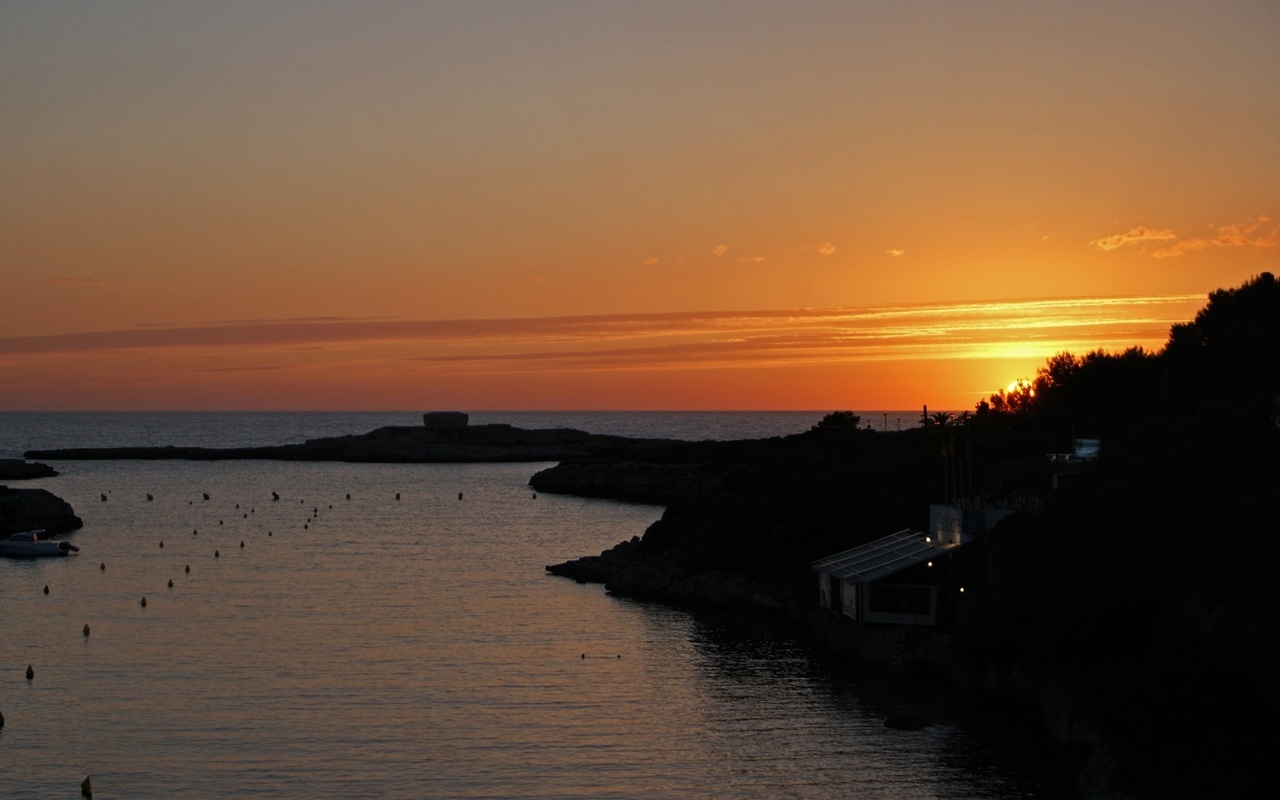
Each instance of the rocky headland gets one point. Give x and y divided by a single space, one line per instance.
396 444
1133 613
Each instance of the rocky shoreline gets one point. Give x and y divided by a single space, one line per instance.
631 481
35 509
626 572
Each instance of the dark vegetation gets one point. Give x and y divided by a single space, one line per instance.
1141 595
1149 580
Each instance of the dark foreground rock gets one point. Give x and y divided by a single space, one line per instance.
397 444
626 572
637 482
35 509
17 469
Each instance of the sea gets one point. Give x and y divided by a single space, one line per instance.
389 631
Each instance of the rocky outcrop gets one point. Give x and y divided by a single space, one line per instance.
35 509
17 469
626 571
637 482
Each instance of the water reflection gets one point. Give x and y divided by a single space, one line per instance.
410 648
776 718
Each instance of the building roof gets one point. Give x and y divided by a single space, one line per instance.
881 558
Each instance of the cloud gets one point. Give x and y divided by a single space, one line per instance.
895 252
1253 232
751 260
826 248
719 250
1134 236
74 280
678 340
1181 247
650 261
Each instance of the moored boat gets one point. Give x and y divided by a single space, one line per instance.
28 544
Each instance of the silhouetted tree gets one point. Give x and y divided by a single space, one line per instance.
1230 353
839 420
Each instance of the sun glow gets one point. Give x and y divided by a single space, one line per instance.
1021 386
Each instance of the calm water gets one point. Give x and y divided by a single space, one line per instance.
415 648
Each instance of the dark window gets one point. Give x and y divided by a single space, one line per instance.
884 598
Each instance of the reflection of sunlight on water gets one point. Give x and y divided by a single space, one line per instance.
409 648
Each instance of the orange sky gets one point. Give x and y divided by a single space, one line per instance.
589 205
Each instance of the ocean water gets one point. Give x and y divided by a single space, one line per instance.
21 431
340 642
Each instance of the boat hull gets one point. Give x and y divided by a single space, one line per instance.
30 545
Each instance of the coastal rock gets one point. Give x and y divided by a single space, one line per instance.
623 480
17 469
35 509
626 571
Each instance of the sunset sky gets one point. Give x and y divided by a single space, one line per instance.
607 205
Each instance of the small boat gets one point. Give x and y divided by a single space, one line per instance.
29 545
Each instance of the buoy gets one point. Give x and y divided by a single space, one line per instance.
86 629
219 522
171 583
268 533
104 497
149 497
46 588
246 516
86 788
348 496
237 505
331 505
275 496
535 495
189 502
397 495
205 495
216 554
144 602
252 510
304 526
188 569
194 531
31 673
162 543
102 566
1 720
242 542
459 495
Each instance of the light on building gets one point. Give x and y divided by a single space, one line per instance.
961 590
927 540
930 564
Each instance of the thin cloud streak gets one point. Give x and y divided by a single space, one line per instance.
678 340
1133 236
